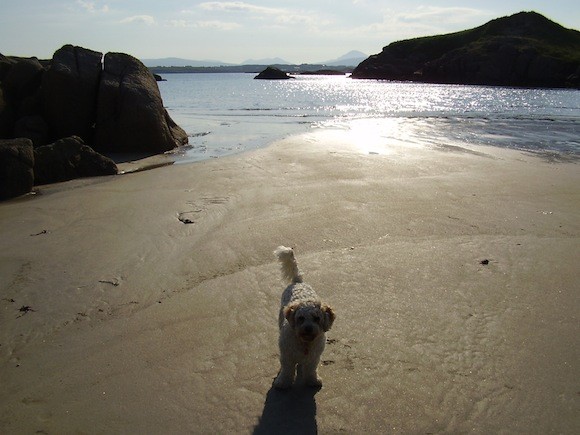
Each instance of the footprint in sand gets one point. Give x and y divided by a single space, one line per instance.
200 207
341 350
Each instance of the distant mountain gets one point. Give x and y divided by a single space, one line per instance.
524 49
176 61
266 61
292 69
352 58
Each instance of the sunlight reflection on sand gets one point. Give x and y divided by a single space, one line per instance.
386 136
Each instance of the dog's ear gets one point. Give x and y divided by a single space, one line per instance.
328 317
289 313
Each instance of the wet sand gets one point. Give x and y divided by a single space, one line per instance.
148 302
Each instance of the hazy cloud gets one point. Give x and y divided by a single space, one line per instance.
281 16
217 25
441 15
239 7
178 23
92 7
422 21
139 19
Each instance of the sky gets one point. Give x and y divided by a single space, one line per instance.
298 31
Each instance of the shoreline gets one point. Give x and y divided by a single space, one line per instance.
138 321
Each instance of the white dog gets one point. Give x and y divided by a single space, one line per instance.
303 321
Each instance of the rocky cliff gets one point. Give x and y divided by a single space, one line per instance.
525 49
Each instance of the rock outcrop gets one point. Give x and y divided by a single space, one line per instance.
33 127
16 167
130 112
70 88
273 73
525 49
67 159
109 104
21 82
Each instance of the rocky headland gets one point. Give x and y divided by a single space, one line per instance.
64 118
524 49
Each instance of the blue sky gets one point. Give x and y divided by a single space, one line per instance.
233 31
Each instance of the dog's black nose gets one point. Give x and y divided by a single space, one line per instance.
308 329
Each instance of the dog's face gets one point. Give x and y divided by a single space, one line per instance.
309 321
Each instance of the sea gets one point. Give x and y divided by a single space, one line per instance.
229 113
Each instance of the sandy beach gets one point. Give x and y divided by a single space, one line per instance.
148 302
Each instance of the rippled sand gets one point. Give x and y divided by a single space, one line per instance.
148 302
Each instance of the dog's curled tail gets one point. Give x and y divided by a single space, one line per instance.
290 270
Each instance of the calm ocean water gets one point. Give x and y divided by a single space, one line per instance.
230 113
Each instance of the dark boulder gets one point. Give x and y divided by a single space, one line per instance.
273 73
6 63
32 127
67 159
130 112
6 116
21 77
70 89
16 167
113 106
179 135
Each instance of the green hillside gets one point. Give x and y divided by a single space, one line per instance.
525 49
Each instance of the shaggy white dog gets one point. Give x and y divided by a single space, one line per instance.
303 321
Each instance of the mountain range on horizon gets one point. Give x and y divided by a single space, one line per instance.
352 58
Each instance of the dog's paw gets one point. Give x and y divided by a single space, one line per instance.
282 382
314 382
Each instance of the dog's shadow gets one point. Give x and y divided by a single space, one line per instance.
290 411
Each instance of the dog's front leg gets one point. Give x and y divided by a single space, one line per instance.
310 372
285 378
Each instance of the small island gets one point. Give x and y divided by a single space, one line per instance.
273 73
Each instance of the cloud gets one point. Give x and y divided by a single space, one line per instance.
139 19
208 24
239 7
178 23
422 21
281 16
217 25
440 15
91 6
